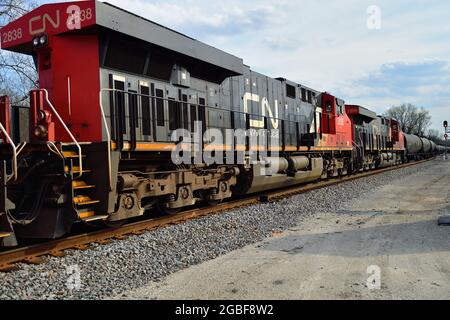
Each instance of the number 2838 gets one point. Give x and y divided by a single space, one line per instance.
12 35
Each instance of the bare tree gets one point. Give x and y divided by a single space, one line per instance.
17 72
413 120
436 136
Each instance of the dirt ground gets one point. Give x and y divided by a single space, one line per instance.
385 246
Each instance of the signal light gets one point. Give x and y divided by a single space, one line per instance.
445 124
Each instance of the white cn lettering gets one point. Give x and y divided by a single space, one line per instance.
38 24
265 108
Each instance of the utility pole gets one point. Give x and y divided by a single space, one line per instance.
446 132
445 220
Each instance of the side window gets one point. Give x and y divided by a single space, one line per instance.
304 95
290 91
309 96
160 107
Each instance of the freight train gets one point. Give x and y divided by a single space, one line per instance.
96 142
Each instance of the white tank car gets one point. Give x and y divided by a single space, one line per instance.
413 144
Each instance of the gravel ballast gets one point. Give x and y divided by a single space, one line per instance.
108 270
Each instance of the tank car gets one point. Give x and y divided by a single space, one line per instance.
419 148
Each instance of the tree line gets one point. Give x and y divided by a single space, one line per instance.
414 120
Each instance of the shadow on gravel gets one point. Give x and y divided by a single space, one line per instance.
395 239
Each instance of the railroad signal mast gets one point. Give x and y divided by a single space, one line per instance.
446 132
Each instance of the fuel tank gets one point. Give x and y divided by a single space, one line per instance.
258 180
299 163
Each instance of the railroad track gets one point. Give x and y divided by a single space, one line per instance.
35 254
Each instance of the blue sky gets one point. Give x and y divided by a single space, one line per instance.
327 45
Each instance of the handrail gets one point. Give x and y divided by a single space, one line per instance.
52 147
14 148
108 134
80 154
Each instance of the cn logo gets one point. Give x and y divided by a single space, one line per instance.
74 17
38 24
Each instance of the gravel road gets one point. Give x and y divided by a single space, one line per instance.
382 245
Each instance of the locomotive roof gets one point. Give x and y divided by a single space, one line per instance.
120 20
360 111
51 19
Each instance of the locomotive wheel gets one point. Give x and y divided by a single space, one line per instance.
114 224
213 203
166 210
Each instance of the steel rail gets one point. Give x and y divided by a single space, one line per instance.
34 253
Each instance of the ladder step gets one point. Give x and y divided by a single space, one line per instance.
84 200
77 185
5 234
84 187
77 170
72 154
95 218
86 214
88 202
72 144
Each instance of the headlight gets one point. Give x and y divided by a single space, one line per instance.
40 132
35 42
43 40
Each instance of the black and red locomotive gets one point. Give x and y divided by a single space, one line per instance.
96 142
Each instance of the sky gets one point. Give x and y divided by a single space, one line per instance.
377 53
